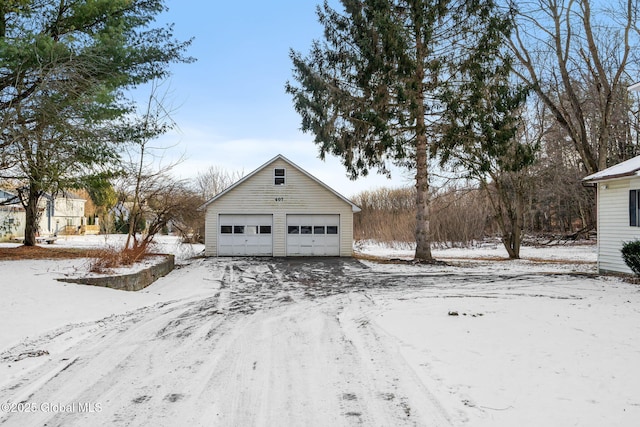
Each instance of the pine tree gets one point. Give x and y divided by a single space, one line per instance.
372 92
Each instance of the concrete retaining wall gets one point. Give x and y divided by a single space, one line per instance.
130 282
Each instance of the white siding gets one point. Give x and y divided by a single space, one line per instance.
66 212
613 223
299 195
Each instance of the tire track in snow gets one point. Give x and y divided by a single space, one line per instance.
280 342
387 376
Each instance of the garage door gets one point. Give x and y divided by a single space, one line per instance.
248 235
313 235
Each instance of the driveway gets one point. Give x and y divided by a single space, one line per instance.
283 342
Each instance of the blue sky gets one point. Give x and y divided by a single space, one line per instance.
231 107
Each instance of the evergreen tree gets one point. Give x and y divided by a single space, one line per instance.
372 92
64 67
480 132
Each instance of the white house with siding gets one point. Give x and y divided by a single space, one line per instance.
62 214
618 207
279 210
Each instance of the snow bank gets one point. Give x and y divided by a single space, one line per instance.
34 302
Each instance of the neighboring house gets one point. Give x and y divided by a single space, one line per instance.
62 214
618 208
279 210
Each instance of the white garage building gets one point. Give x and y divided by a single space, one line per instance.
279 210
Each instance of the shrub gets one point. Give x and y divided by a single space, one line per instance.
110 258
631 255
458 216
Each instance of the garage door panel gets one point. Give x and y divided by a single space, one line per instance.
313 235
245 235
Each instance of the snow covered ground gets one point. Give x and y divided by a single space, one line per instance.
478 342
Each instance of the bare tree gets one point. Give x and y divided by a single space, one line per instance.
558 203
215 180
145 176
460 215
577 61
166 201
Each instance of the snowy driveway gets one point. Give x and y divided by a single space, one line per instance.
340 342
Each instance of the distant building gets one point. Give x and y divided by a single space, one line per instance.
62 214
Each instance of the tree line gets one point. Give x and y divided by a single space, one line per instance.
463 217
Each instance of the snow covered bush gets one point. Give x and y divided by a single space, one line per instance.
631 255
110 258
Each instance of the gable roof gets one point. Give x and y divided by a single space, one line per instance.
354 208
627 168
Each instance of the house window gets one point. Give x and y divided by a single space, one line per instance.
332 229
265 229
634 205
278 175
248 229
293 229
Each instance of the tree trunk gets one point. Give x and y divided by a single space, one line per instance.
518 223
510 218
507 242
513 239
135 214
423 203
31 214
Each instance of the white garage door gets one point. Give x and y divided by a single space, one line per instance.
313 235
245 235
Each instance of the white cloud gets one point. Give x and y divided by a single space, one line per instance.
203 148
